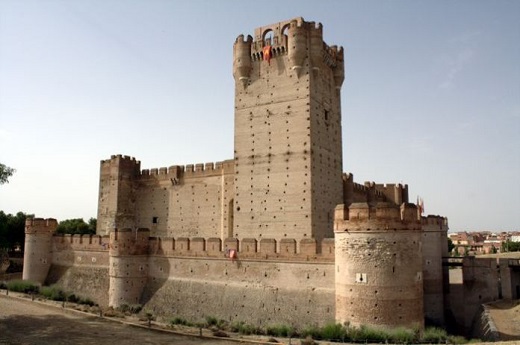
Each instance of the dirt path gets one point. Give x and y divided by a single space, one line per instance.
26 322
506 316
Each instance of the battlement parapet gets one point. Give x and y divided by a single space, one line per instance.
247 248
383 217
126 165
81 242
434 222
40 225
177 172
396 193
129 242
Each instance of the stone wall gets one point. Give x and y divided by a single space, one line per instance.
254 291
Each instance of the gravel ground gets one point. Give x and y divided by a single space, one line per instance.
25 322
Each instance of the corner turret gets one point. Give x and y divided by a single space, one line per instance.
38 248
242 65
376 247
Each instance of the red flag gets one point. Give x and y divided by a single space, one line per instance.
267 54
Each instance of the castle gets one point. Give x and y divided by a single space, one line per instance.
278 233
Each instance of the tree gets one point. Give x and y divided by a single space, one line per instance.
451 246
5 173
76 226
510 246
12 230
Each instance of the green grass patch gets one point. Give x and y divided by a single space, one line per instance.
130 308
180 321
24 286
280 331
53 293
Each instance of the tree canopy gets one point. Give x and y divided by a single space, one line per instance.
12 230
77 226
5 173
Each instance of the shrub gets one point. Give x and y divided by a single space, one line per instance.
280 331
244 328
86 301
333 331
311 331
179 321
368 334
402 335
73 298
434 335
53 293
132 309
24 286
213 321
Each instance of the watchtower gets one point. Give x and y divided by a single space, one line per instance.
379 273
288 154
38 248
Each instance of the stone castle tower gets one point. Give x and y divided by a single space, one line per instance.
38 248
288 154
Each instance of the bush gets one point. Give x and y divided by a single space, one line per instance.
403 335
280 331
132 309
53 293
180 321
246 329
213 321
86 301
24 286
333 331
434 335
311 331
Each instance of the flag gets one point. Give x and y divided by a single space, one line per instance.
267 54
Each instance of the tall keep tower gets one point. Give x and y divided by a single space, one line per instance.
288 154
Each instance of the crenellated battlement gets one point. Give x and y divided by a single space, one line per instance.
247 248
432 222
383 217
178 172
40 225
129 242
81 242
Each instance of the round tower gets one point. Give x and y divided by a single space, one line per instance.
128 266
242 64
378 265
38 248
316 44
297 44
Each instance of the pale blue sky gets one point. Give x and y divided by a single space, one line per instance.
431 96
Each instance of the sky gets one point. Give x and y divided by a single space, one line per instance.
431 96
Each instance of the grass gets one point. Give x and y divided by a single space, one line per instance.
130 308
24 286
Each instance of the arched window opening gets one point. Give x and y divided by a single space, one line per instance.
268 38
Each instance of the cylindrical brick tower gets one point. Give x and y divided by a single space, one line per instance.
242 64
38 248
128 269
379 265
